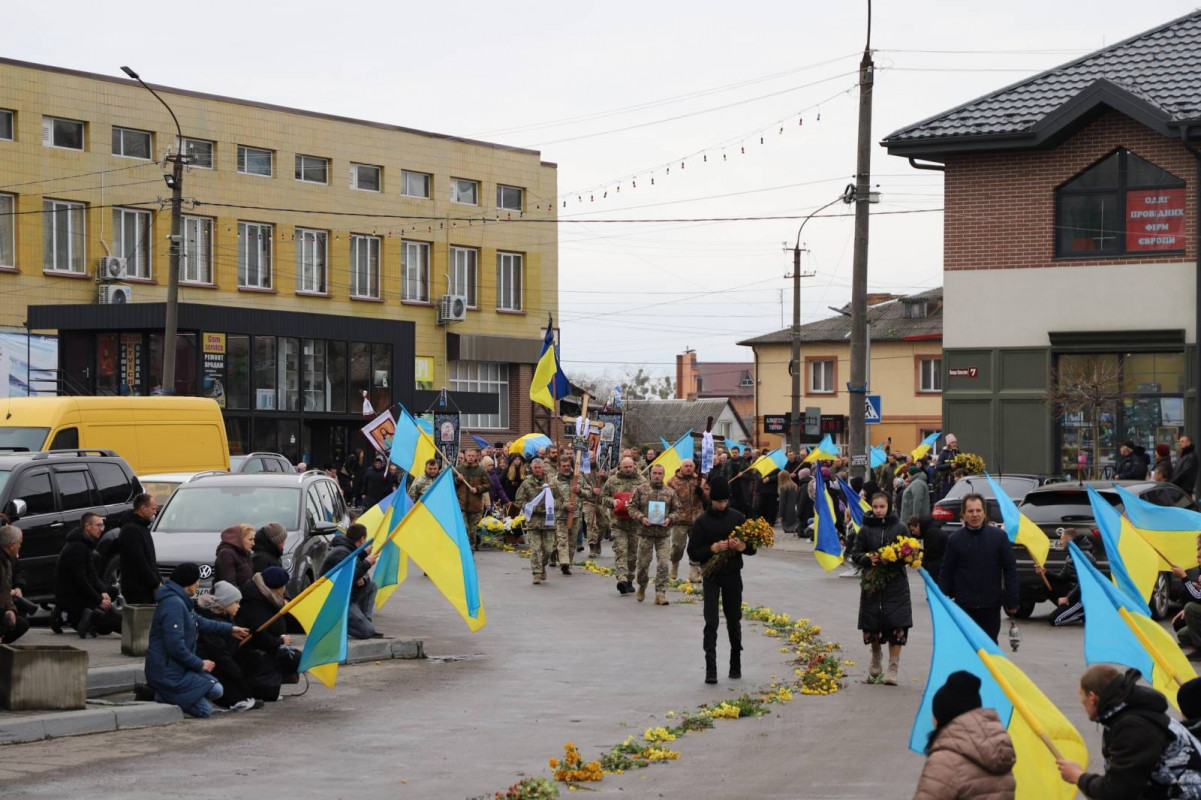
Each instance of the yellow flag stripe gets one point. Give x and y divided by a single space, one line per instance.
305 612
1172 667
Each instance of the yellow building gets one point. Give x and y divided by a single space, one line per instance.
322 257
906 371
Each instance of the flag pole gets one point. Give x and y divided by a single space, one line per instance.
1149 647
288 606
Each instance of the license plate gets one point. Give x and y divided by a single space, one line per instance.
201 590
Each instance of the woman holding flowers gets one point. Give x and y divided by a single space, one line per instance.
882 550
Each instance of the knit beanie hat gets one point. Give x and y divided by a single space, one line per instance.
719 489
960 694
1189 699
226 593
275 577
185 574
1162 450
915 470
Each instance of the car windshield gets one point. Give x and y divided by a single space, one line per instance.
1015 487
15 437
215 508
161 490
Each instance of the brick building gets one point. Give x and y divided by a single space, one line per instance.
1070 240
734 380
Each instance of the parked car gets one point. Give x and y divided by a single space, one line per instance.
45 493
164 484
948 512
1066 505
260 462
309 505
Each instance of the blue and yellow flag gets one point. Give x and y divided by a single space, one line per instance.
825 450
733 446
855 503
1118 630
1171 530
768 463
665 444
434 536
674 455
827 546
1031 719
321 610
1133 564
1019 527
925 446
382 520
879 457
549 384
411 446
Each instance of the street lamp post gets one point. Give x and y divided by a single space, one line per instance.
171 322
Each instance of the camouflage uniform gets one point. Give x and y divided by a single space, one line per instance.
538 533
623 529
564 539
654 539
595 518
472 504
692 504
420 484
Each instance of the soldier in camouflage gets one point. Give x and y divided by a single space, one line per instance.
623 529
595 518
471 486
542 501
564 538
689 488
654 531
420 484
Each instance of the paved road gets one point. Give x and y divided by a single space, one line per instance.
569 660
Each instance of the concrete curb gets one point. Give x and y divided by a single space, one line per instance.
55 724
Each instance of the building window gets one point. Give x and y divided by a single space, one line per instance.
821 377
264 373
289 373
508 281
253 161
364 266
463 263
8 231
1122 204
63 242
63 133
196 264
415 184
914 309
237 371
131 240
747 381
6 125
313 387
199 153
254 255
930 375
510 197
365 177
312 169
415 264
464 192
482 376
131 143
311 264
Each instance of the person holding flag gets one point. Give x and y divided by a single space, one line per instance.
362 596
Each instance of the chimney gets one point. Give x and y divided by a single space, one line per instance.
686 375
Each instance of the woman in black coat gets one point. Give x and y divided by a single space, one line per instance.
885 611
232 562
268 546
268 659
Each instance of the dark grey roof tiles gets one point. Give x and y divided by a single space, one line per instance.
889 323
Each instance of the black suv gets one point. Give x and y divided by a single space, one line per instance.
46 493
1066 505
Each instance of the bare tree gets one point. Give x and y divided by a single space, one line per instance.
1087 390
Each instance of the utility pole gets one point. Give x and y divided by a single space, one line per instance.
795 422
857 388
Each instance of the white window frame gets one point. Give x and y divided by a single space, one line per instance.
120 130
500 190
929 379
264 234
138 256
302 164
457 185
746 381
426 178
354 177
48 123
12 124
510 280
364 266
8 231
464 274
245 150
828 367
312 261
77 241
190 140
482 376
196 261
415 278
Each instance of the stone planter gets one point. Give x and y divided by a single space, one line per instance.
135 629
37 678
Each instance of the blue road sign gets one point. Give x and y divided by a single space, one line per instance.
871 414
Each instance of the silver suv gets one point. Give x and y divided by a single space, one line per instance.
309 505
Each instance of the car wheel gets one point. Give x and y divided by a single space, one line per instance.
1025 609
306 580
1160 597
112 573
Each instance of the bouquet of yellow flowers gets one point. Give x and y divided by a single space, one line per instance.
905 551
756 533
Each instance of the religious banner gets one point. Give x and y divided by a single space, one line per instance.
446 434
380 432
608 454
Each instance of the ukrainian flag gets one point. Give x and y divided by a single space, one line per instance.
879 457
733 446
549 384
926 446
434 536
768 463
411 446
321 610
827 547
1020 529
1118 630
1172 531
665 444
1033 722
673 456
858 505
1133 564
825 450
393 566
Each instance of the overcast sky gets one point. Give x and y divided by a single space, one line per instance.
610 91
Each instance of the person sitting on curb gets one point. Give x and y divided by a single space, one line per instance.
177 675
232 562
362 596
1188 622
222 606
269 543
268 660
1069 607
13 624
79 594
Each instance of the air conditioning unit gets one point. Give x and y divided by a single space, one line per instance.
452 309
115 293
112 268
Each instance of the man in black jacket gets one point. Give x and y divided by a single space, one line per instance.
376 482
945 469
978 569
362 596
78 591
1065 584
709 537
139 564
1185 474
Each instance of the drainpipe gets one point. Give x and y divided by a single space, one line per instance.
935 167
1196 431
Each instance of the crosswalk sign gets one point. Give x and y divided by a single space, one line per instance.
871 414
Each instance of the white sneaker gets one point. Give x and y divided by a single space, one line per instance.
244 705
849 572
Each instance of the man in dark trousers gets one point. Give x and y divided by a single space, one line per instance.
709 537
78 591
376 483
139 564
1185 474
978 569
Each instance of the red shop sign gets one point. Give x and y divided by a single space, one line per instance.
1154 220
